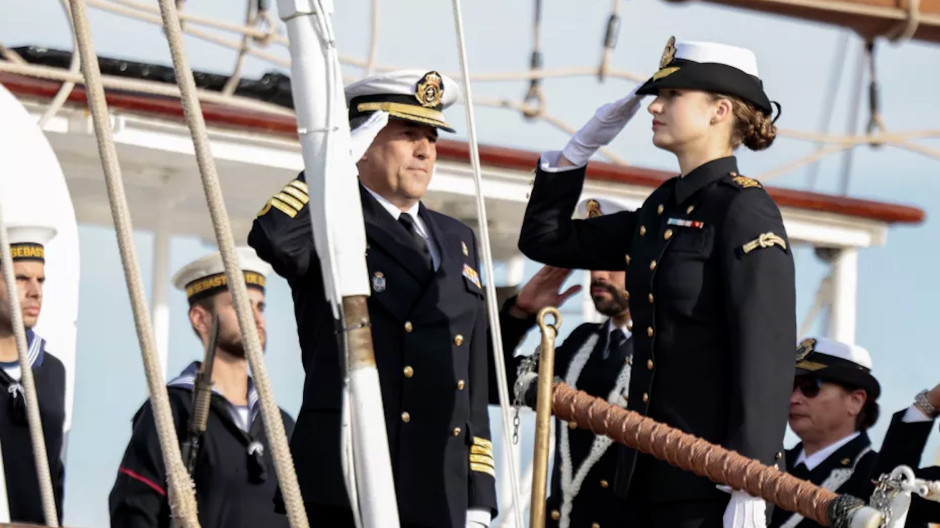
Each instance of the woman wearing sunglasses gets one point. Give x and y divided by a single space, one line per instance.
709 272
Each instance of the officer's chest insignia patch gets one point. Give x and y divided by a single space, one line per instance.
682 222
463 246
746 182
765 240
378 282
472 275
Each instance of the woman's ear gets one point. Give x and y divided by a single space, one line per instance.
722 110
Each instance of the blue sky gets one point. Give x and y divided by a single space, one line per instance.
897 289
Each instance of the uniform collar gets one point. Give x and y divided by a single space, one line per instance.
691 183
819 457
36 348
187 380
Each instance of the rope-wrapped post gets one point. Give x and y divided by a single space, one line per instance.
705 459
33 420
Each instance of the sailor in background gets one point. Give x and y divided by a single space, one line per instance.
233 476
23 496
833 405
595 358
709 271
429 327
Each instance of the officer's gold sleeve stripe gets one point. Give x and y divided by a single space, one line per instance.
299 195
483 469
302 186
483 459
289 200
482 442
283 207
480 450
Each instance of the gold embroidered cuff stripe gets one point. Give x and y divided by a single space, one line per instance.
482 442
301 186
299 195
483 459
480 450
483 469
289 200
283 207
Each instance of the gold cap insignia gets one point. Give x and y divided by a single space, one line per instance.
669 54
430 90
846 461
593 209
805 349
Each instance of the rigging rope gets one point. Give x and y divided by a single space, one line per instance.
274 426
181 498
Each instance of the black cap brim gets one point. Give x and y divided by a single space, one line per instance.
710 77
843 375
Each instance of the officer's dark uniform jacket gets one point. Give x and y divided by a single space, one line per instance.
848 470
235 480
713 307
430 339
19 466
595 501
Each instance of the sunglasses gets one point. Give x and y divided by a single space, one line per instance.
809 386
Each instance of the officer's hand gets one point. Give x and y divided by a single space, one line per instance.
542 290
363 135
607 122
933 396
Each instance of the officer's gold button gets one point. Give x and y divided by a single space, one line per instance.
668 234
649 364
408 371
627 259
460 384
405 417
646 397
408 326
630 326
556 515
649 331
456 431
458 339
689 210
659 210
572 425
642 230
651 298
652 265
605 484
595 525
733 173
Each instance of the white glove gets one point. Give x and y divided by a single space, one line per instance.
607 122
364 134
478 518
745 511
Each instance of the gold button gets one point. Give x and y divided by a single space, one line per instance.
408 326
630 326
595 525
605 484
642 230
556 515
651 298
659 210
405 417
649 364
572 425
408 371
733 173
646 397
460 384
652 267
456 431
649 331
627 258
458 339
689 210
668 234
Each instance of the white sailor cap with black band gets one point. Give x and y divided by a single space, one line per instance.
419 96
594 207
710 67
27 242
838 362
205 277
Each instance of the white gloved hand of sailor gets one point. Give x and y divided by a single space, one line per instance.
606 124
744 510
478 518
363 135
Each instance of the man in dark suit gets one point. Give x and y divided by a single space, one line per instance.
428 323
19 466
595 358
